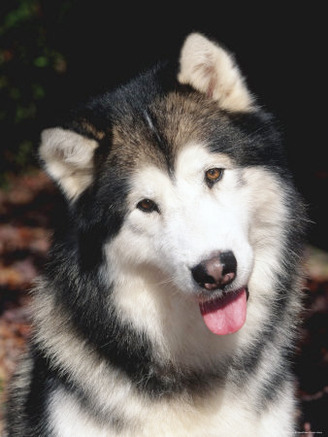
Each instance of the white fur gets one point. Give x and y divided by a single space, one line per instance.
180 418
67 419
148 262
154 288
68 158
210 69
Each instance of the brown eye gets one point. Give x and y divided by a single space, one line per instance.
213 175
147 205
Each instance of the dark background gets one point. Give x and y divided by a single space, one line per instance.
54 53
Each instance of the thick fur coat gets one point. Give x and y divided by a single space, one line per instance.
171 299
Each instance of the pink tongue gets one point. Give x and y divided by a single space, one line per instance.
226 314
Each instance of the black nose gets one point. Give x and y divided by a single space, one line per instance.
216 272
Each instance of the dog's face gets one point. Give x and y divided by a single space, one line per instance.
207 229
200 209
175 222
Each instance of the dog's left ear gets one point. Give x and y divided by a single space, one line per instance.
210 69
68 158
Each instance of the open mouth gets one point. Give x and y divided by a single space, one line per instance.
225 314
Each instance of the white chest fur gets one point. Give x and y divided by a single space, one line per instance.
217 416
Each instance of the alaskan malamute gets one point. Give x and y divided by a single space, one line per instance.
171 298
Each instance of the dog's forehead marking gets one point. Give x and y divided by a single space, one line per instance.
151 126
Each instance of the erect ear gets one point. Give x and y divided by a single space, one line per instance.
210 69
68 158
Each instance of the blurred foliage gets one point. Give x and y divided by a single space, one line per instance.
55 54
31 66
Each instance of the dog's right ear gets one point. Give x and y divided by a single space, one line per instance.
68 158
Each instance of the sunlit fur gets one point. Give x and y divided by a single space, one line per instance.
119 346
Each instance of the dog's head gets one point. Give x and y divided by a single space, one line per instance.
177 169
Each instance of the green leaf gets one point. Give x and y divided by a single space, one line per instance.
41 62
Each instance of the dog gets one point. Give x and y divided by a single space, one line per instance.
171 300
